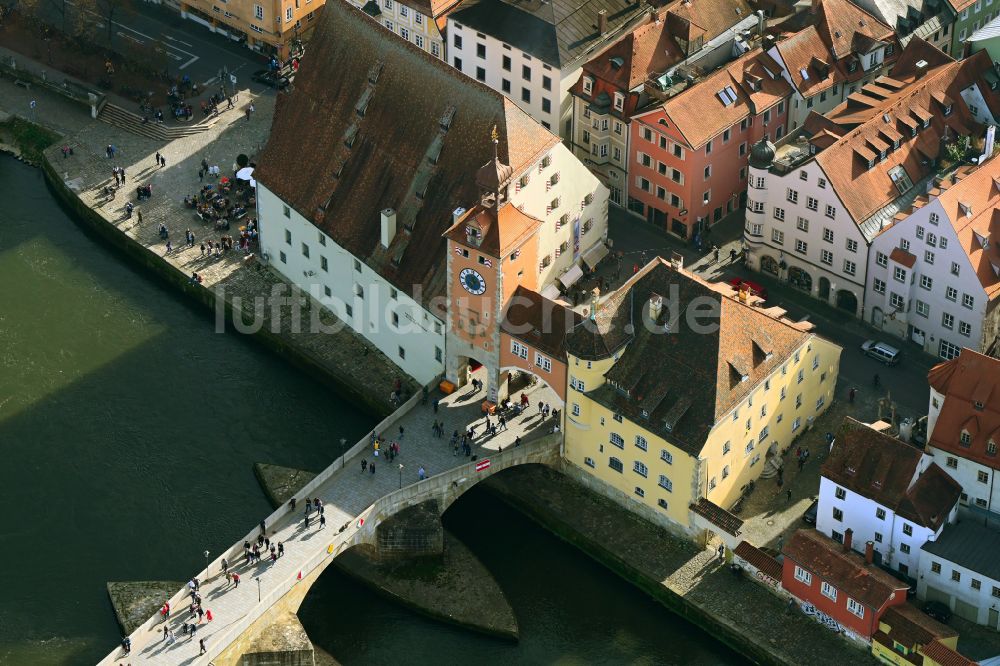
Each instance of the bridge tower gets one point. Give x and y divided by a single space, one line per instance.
492 249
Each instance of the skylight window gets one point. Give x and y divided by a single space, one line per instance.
727 96
805 74
900 179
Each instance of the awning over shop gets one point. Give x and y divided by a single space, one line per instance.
593 256
571 276
551 292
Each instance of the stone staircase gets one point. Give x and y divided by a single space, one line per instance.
132 122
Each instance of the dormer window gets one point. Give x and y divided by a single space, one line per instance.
850 470
965 439
889 48
979 406
588 85
852 66
991 448
619 102
947 110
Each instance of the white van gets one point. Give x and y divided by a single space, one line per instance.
881 352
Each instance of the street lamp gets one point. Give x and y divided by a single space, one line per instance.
206 562
257 578
400 475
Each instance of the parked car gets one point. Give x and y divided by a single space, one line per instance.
269 78
755 289
937 610
880 351
809 516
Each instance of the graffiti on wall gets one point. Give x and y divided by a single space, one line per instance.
821 617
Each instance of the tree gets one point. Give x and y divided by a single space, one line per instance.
73 16
957 150
108 10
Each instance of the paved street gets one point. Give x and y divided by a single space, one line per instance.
346 495
190 48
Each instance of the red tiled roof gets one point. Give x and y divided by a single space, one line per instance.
343 148
965 380
502 231
840 26
846 571
886 103
944 655
979 194
931 498
902 257
698 112
759 559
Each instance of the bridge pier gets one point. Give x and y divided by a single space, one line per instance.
276 639
416 531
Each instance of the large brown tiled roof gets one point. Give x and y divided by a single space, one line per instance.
699 114
886 109
539 322
846 571
965 380
418 131
871 464
684 380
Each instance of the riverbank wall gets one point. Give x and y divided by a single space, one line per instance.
687 579
345 384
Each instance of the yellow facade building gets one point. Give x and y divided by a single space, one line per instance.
268 26
681 391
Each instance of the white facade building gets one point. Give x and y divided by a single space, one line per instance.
962 571
818 200
399 326
798 230
887 492
926 283
533 54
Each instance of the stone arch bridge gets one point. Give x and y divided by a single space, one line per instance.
357 507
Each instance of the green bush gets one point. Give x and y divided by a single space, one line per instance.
29 138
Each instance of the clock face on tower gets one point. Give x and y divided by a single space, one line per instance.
472 281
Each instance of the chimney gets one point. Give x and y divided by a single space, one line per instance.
761 22
388 226
869 552
457 214
848 539
602 21
655 306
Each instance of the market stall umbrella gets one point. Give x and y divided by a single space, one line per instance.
245 174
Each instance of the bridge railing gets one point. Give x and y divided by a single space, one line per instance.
413 493
234 552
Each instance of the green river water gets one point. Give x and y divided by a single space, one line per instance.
128 429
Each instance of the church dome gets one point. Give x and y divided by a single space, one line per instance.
762 154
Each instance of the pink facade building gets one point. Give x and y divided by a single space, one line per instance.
688 156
